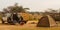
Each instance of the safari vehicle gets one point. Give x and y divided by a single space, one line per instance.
13 19
7 18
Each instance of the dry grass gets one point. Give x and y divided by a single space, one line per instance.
27 26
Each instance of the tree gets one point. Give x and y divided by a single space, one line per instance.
52 11
15 8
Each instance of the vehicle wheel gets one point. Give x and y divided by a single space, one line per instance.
21 23
3 22
25 22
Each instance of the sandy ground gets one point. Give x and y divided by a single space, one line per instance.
16 27
27 26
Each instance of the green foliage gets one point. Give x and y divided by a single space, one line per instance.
57 18
15 8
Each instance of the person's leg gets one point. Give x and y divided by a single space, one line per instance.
14 21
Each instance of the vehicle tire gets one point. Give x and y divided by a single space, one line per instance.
21 23
3 22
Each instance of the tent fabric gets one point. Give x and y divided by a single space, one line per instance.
52 21
46 21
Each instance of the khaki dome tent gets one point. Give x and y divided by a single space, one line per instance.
46 21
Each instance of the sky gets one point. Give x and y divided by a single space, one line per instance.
34 5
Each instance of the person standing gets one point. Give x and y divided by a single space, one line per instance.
15 18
